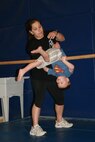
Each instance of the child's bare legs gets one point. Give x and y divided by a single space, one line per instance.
42 52
56 45
27 68
20 74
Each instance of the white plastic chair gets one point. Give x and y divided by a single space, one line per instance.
9 88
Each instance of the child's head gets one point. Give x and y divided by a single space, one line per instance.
34 28
62 81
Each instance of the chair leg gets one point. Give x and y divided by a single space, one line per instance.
5 107
21 106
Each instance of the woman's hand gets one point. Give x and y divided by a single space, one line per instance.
52 35
46 69
57 35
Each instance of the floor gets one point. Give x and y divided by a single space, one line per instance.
18 131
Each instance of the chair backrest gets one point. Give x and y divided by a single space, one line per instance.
10 87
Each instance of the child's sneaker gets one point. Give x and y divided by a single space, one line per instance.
37 131
63 124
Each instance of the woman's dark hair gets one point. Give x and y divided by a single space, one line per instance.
28 26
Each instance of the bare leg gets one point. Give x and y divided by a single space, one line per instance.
26 69
59 112
60 122
36 130
20 74
42 52
35 115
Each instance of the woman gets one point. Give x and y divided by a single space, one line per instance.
40 80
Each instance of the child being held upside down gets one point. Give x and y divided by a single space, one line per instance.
61 68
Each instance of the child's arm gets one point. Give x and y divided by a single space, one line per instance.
49 71
68 64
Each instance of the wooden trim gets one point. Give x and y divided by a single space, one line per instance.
77 57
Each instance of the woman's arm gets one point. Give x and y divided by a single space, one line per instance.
55 34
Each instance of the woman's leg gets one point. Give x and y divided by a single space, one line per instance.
39 89
35 114
59 112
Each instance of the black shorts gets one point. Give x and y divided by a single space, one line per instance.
40 87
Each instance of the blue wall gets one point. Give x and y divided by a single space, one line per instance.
76 20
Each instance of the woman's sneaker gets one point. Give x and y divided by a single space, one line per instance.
37 131
63 124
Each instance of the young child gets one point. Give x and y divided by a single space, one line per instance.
62 69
